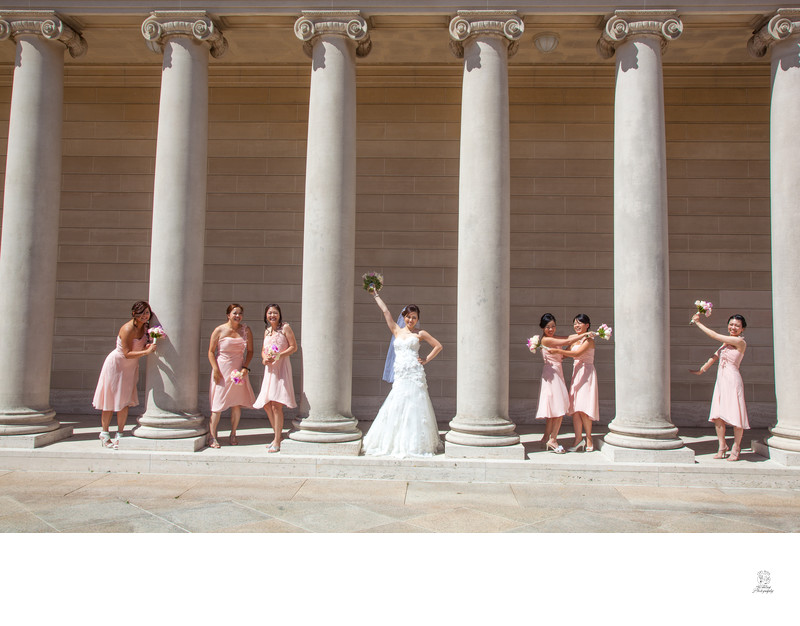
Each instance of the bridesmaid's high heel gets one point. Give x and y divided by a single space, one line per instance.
737 450
580 446
555 447
722 453
105 440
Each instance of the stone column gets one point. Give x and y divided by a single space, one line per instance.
781 36
185 38
29 247
332 39
642 429
481 427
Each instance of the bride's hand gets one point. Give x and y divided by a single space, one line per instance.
421 360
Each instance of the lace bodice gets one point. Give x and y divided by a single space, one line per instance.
406 363
729 356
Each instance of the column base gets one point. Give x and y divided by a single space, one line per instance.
164 425
784 457
36 440
334 430
624 436
492 432
24 421
514 452
306 448
619 454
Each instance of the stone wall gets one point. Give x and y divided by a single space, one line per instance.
408 146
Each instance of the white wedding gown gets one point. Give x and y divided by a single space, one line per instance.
406 424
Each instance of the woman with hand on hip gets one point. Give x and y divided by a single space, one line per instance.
553 394
116 388
406 423
229 352
584 404
727 402
277 389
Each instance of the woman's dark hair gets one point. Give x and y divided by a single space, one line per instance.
738 317
233 306
582 318
140 307
411 308
546 319
280 315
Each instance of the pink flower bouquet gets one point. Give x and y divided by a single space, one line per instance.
272 351
534 343
237 376
372 281
156 333
703 308
604 332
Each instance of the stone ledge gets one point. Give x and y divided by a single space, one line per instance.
459 451
618 454
784 457
189 444
36 441
346 448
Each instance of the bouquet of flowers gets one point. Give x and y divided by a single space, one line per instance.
703 307
604 332
534 343
156 333
237 376
272 351
373 281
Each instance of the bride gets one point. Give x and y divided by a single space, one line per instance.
406 424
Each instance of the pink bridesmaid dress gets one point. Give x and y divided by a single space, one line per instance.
277 385
230 357
583 395
553 394
727 402
116 388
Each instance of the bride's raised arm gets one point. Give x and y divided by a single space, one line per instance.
386 314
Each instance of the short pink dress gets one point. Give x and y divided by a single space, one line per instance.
727 403
553 394
116 388
277 385
230 357
583 395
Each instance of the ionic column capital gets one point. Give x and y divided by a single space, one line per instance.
468 24
624 25
46 24
162 25
349 24
781 26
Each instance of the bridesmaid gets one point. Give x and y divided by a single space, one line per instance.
116 388
584 404
234 342
277 389
553 394
727 403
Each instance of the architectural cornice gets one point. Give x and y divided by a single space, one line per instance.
350 24
625 24
782 25
47 24
468 24
197 24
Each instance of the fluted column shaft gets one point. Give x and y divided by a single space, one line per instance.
641 252
332 40
30 218
781 36
484 40
179 210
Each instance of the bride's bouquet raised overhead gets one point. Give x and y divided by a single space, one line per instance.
703 307
373 282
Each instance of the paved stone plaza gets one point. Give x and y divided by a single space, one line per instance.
76 486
